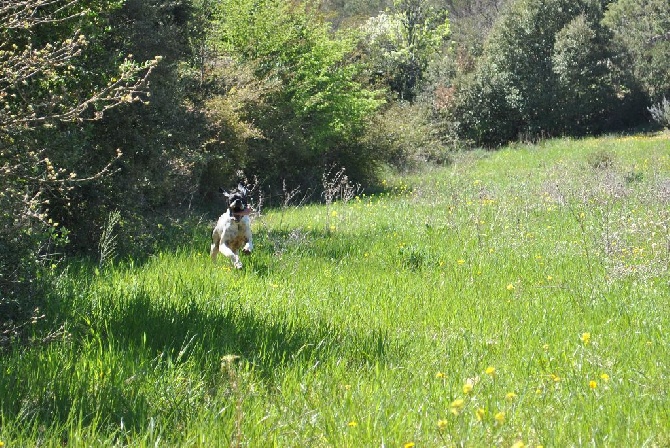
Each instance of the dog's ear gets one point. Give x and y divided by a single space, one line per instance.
224 192
242 189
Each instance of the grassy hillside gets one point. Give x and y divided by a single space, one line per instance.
516 297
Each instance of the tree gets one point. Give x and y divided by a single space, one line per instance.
642 31
401 44
47 81
537 54
586 97
41 51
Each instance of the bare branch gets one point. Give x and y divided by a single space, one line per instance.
25 14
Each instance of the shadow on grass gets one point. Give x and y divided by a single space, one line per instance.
268 342
134 358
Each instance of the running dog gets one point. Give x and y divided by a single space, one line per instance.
233 230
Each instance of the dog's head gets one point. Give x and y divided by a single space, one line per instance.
237 199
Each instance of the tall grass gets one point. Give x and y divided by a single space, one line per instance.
514 297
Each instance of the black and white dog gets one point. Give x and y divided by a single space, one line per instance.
233 230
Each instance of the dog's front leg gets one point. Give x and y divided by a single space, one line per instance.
249 246
234 258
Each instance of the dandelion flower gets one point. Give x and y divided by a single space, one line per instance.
457 406
605 377
409 445
460 261
500 417
510 396
510 287
457 403
441 424
555 378
586 338
440 375
467 387
518 444
480 413
490 370
593 384
352 424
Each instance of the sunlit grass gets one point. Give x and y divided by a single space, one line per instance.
514 298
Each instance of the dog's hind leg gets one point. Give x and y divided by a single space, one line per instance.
214 248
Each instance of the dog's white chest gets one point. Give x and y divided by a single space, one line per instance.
234 235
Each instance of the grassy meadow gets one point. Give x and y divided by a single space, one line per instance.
513 298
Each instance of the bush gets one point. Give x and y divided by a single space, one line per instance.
405 137
660 112
640 30
313 107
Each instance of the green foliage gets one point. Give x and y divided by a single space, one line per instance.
405 134
316 108
400 44
586 98
544 71
52 80
642 31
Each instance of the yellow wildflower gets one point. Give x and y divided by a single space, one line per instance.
586 338
441 424
440 375
518 444
352 424
409 445
480 413
467 387
490 370
593 384
510 287
605 377
456 406
510 396
500 417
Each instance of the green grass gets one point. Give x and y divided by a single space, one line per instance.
515 296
